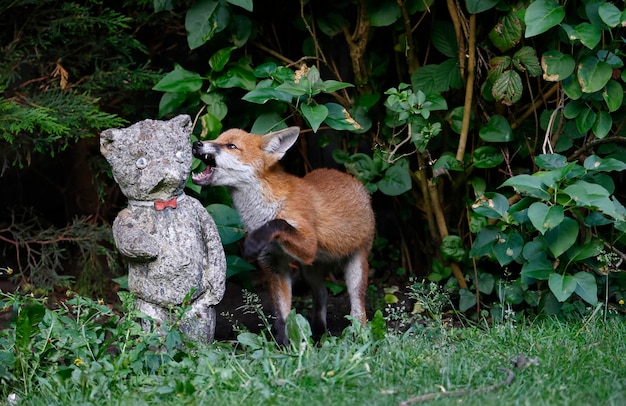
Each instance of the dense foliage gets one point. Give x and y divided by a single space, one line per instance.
490 133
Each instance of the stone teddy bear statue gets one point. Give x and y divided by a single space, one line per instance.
169 240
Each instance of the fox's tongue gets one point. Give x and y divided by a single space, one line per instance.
203 178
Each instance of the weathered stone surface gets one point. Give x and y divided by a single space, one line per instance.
170 251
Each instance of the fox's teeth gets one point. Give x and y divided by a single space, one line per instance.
206 156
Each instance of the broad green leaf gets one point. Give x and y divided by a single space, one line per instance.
262 95
235 265
550 161
525 59
383 13
497 130
595 219
242 31
554 177
467 300
528 185
595 163
295 89
397 180
314 115
536 249
586 287
267 123
562 237
585 120
179 80
610 58
452 248
219 59
236 76
610 14
362 167
602 125
545 217
590 250
507 33
593 74
511 293
487 157
228 224
340 119
573 109
556 65
588 34
478 6
334 85
541 15
613 95
211 126
538 268
245 4
434 102
585 193
492 205
571 87
448 161
443 38
437 78
203 20
484 241
455 118
215 104
170 101
332 23
486 283
570 32
507 89
562 286
265 70
508 248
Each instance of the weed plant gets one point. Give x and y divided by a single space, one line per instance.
83 352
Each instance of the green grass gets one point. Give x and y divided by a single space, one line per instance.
84 354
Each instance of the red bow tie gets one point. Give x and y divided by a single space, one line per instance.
160 205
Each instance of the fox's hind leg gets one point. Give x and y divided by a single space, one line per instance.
315 278
356 272
278 278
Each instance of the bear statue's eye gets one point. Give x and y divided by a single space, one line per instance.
231 146
141 163
180 156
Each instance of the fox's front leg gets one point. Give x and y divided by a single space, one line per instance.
297 243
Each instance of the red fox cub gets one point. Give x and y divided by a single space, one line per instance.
323 220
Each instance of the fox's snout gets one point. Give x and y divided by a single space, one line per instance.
197 148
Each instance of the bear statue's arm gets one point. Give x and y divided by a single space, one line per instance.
132 238
216 274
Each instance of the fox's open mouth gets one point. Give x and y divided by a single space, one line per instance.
204 178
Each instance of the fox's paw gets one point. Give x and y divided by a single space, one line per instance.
258 239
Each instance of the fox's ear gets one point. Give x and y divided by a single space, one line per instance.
277 143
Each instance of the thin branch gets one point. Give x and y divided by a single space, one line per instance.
469 89
595 143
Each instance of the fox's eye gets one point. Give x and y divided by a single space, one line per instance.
180 156
141 163
231 146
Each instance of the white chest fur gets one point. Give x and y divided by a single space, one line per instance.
253 206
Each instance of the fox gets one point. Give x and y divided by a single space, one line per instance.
324 221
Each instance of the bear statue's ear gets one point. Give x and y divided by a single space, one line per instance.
183 121
107 137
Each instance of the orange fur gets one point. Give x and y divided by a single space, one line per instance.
322 220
